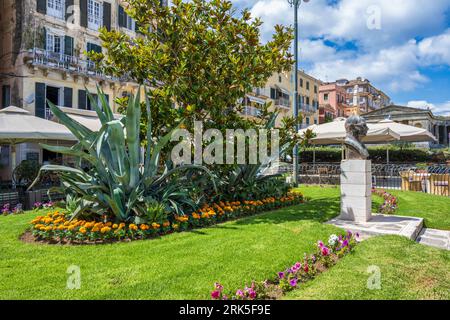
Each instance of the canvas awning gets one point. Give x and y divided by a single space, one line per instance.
406 132
87 118
334 133
18 125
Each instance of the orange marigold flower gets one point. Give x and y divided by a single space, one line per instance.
155 225
105 229
83 230
115 226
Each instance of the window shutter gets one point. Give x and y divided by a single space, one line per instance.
69 13
83 13
68 46
39 103
82 99
97 48
45 38
68 94
107 99
41 6
107 15
122 17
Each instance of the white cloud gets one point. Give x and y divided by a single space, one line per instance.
389 57
442 109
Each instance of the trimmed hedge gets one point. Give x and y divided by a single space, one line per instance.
377 155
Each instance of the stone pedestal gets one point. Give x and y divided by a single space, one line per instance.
356 190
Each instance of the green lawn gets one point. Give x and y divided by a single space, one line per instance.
178 266
408 271
185 265
434 209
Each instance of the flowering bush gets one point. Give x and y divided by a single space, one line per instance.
390 205
7 209
293 276
56 226
43 205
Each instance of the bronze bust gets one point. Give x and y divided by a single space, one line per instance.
356 128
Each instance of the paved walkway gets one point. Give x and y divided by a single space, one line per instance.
409 227
434 238
383 225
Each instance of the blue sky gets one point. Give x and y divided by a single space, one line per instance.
401 46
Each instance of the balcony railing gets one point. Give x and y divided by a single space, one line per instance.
262 92
48 114
283 102
68 63
307 108
251 111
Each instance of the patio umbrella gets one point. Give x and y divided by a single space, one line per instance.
407 133
18 126
334 133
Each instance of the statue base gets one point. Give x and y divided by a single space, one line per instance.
356 190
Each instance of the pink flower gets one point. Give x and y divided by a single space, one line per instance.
293 282
240 293
215 294
325 251
252 294
306 268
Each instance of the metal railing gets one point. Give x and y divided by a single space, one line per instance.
262 92
251 111
67 63
283 102
307 108
433 179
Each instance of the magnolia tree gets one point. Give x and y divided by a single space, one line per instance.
200 55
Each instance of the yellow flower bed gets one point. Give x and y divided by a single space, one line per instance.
57 227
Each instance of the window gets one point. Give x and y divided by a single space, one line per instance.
55 8
54 43
279 78
93 47
325 97
95 14
307 85
301 82
315 89
125 20
307 100
307 120
6 96
130 23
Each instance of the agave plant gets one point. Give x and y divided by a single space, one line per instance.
253 181
118 182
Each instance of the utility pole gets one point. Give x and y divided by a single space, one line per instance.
295 4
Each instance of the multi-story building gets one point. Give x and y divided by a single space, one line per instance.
308 91
363 95
279 91
344 98
43 45
332 102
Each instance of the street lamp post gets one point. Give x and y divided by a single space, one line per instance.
295 4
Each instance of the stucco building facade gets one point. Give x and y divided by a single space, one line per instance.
421 118
43 57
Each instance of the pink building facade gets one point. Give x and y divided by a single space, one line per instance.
332 102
